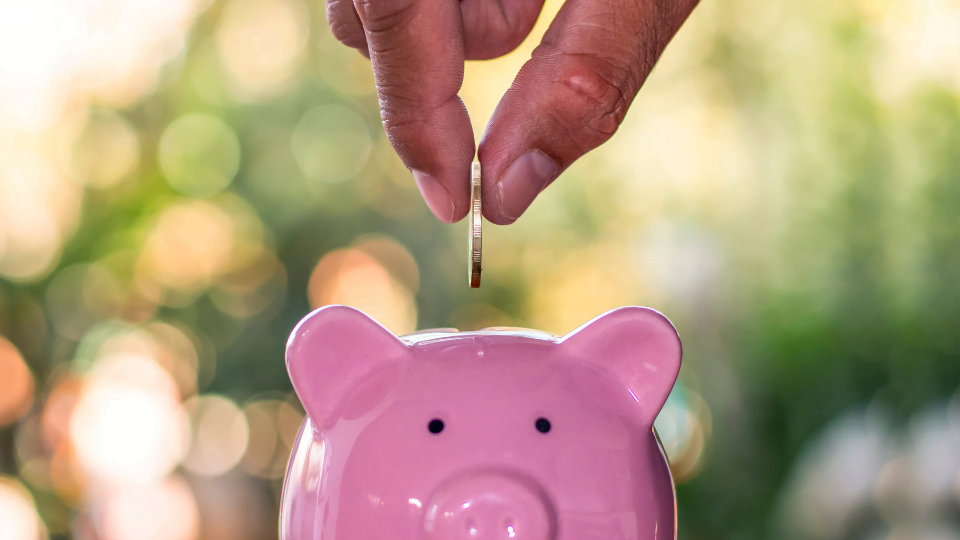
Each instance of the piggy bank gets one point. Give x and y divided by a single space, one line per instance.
499 434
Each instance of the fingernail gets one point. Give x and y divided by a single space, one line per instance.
436 197
523 180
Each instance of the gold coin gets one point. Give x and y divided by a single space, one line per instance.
475 241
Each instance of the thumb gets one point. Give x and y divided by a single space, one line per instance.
571 96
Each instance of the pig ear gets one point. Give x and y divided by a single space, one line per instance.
331 351
637 346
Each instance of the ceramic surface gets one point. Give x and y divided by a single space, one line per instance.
502 434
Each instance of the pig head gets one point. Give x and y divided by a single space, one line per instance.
490 435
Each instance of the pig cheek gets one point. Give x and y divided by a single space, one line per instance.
614 494
593 457
388 477
592 479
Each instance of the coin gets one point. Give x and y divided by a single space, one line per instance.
475 241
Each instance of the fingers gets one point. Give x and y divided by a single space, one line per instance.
416 47
345 25
572 95
491 28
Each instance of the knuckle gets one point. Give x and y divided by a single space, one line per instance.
400 126
383 15
600 90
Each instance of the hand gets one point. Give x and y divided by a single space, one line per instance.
569 98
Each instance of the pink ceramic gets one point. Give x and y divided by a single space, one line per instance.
501 434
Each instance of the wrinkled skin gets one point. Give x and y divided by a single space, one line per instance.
569 98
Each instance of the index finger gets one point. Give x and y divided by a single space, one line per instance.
417 51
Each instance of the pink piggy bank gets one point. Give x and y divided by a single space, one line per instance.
501 434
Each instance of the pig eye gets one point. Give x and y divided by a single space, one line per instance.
542 424
435 426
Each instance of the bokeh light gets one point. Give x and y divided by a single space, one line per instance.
193 245
128 426
37 205
164 510
919 43
18 516
181 180
31 452
80 296
174 349
684 426
188 246
234 507
53 52
16 383
331 143
199 154
861 471
274 424
356 278
64 393
107 152
220 434
261 44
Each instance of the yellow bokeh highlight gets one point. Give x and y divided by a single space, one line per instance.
189 246
273 426
377 277
580 286
261 45
107 151
220 433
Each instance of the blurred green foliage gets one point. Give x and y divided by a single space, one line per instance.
783 189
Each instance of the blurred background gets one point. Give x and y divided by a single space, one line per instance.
182 180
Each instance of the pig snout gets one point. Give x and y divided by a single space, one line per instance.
489 506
